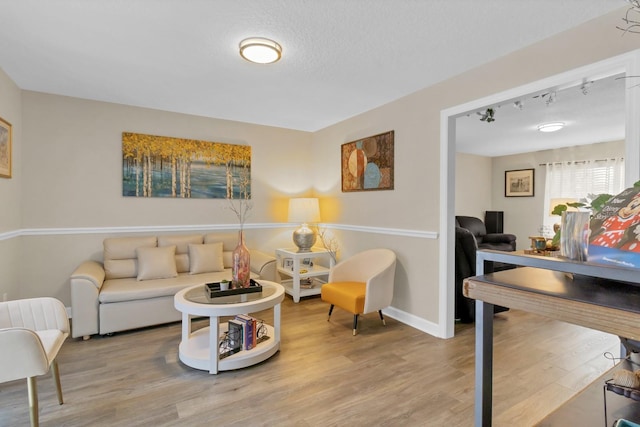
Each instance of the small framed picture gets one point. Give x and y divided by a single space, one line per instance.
519 183
307 262
5 148
287 263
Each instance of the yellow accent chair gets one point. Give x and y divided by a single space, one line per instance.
362 284
32 332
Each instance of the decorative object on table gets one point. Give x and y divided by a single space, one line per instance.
519 183
330 243
231 342
224 285
304 211
162 166
538 243
241 207
5 148
215 290
615 230
574 237
367 164
241 258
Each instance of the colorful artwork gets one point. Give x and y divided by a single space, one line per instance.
367 164
161 166
615 231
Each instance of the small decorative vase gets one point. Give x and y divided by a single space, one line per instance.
241 263
574 235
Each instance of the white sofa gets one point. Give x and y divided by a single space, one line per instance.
135 284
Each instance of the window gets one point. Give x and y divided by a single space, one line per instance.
575 180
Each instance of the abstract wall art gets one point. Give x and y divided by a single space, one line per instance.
367 164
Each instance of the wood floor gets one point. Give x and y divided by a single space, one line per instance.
322 376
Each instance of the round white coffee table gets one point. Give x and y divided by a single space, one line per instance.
195 348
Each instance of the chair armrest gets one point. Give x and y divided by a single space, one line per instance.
263 264
86 282
380 288
22 354
499 238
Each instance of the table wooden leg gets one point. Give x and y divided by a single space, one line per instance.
484 364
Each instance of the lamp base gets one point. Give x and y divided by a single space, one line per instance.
304 238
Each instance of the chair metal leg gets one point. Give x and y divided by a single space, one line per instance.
382 318
32 388
355 324
330 311
56 376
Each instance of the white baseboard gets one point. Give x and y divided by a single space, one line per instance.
413 321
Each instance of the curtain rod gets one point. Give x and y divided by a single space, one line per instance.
578 161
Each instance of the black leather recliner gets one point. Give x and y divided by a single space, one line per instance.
465 261
495 241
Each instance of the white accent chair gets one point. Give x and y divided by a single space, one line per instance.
362 284
32 332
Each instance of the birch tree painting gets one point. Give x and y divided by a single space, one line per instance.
162 166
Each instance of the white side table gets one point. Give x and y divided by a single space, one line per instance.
199 349
291 264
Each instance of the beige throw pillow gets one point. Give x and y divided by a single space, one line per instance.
205 258
156 263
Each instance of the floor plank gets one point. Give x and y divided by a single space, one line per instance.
322 376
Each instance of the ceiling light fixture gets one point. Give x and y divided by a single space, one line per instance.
260 50
551 127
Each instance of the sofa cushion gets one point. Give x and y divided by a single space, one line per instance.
122 290
156 263
205 258
182 242
120 255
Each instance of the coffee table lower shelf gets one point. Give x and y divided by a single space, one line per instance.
195 351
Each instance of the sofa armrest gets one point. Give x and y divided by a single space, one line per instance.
263 264
86 282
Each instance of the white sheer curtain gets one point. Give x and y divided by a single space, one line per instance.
576 180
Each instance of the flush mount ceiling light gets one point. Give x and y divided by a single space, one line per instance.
551 127
260 50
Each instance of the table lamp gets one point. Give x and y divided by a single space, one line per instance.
304 210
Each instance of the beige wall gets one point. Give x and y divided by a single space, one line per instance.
74 170
10 191
474 185
414 204
73 178
71 171
523 215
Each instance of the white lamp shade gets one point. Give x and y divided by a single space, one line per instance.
304 210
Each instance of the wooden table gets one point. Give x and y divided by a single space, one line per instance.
595 297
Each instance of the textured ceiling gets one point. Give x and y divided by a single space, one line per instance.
340 58
595 114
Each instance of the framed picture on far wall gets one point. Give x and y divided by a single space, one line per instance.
519 183
5 148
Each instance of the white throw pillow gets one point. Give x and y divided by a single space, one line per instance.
156 263
205 258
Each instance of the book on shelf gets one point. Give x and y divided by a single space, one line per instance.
249 330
